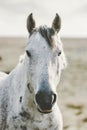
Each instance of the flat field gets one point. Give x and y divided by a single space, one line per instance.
72 89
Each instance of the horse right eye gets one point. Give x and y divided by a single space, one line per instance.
28 53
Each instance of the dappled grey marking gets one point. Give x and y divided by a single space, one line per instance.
23 127
36 129
14 117
4 105
20 99
25 115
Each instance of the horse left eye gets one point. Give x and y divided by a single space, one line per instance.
59 53
28 53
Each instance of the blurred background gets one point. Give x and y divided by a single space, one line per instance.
13 14
72 89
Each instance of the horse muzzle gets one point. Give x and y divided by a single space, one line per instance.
45 101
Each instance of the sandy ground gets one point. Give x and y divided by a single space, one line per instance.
72 89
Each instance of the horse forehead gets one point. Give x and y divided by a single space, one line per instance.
37 42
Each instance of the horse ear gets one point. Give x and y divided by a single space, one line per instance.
30 23
56 25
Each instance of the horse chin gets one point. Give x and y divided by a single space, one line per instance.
44 111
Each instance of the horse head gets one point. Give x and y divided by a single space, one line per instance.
46 60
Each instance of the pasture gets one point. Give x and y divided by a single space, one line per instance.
72 89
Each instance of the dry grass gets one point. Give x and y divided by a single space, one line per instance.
73 86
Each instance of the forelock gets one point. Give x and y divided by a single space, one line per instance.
47 33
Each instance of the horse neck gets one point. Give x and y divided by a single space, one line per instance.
19 93
20 74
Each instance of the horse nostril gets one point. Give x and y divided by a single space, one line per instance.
39 97
53 98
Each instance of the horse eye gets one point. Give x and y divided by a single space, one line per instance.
28 53
59 53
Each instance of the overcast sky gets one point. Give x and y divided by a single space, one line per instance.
13 14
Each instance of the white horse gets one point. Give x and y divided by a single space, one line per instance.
28 95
